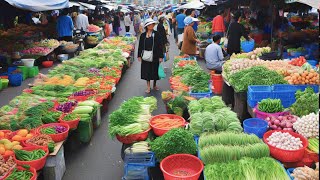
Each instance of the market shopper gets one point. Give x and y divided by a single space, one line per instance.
214 55
235 32
82 21
218 25
127 22
116 23
150 54
180 22
65 26
189 37
137 23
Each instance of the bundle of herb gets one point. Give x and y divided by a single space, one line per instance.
306 102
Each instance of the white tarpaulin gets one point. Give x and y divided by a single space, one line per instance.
210 2
89 6
39 5
312 3
109 7
193 5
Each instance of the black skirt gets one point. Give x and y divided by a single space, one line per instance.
149 70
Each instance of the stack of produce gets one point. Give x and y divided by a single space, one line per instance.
36 51
138 147
175 141
7 146
42 140
284 140
251 55
49 43
309 76
298 61
210 115
20 173
178 104
6 165
281 122
93 28
227 146
270 105
308 125
306 173
306 102
314 145
254 76
132 117
247 168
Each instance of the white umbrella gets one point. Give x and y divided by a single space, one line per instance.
193 5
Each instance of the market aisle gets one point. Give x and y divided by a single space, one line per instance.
100 160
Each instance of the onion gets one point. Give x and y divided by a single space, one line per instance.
269 123
268 119
276 122
274 127
280 118
289 125
283 124
279 128
289 129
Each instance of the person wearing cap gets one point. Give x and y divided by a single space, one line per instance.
214 55
189 37
150 40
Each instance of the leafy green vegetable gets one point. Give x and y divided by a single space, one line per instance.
206 105
175 141
30 123
178 105
247 168
270 105
202 122
306 102
40 109
256 75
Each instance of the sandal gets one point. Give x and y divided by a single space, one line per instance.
156 88
148 91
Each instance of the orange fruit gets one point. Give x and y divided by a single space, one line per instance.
8 153
2 134
29 136
23 132
17 147
2 145
2 150
17 138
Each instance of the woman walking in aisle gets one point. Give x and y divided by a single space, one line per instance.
189 37
150 54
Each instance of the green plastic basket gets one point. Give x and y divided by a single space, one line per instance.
33 71
4 83
24 71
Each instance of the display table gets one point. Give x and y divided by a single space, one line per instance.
55 166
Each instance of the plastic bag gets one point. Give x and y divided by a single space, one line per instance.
161 72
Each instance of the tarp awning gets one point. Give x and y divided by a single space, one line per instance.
109 7
89 6
193 5
312 3
39 5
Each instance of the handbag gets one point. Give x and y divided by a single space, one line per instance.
148 55
225 40
161 72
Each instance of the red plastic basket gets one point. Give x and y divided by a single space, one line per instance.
287 155
56 137
181 166
31 169
264 115
160 131
73 124
134 137
38 163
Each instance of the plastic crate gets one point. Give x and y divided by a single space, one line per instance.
33 71
134 172
288 103
202 95
252 103
15 79
255 126
24 71
143 159
289 171
11 69
259 92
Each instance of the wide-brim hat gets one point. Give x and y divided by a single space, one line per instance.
149 21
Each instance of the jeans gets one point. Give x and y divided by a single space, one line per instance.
116 30
218 33
180 30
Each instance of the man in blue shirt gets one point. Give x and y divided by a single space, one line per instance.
65 26
214 55
180 22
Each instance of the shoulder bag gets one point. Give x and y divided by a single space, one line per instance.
148 55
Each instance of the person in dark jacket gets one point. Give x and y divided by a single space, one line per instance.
162 32
236 30
150 40
116 24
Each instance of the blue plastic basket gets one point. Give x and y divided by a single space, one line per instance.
11 69
255 126
132 172
202 95
313 62
143 159
289 171
252 103
15 79
259 92
128 34
247 46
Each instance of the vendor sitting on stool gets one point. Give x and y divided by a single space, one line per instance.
214 55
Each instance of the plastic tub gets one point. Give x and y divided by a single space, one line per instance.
287 155
15 79
134 137
31 169
33 71
4 83
313 62
255 126
24 70
181 166
247 46
264 115
73 124
160 131
47 64
55 137
28 62
36 164
217 83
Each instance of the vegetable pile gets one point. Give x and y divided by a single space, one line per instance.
306 102
175 141
270 105
284 140
298 61
132 117
305 173
281 122
56 129
314 145
66 107
70 117
227 146
42 140
305 77
254 76
23 155
6 166
20 174
308 126
93 28
167 122
247 168
138 147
